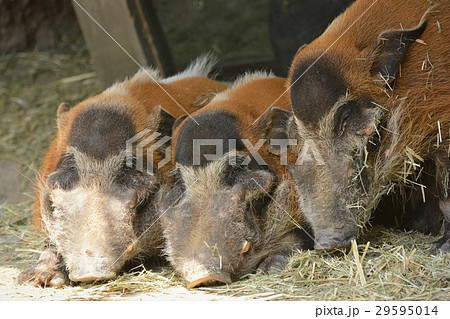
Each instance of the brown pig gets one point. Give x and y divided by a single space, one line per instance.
96 198
232 208
372 92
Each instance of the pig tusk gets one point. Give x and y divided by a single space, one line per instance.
130 247
245 247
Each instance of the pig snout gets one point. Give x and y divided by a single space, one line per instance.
207 277
89 274
90 268
329 238
199 275
210 280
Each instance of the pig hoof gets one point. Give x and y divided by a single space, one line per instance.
274 264
25 277
55 278
442 245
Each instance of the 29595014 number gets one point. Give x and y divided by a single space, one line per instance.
406 310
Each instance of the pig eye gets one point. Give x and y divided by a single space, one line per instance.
172 198
65 179
132 178
48 204
176 175
66 174
343 115
351 115
231 172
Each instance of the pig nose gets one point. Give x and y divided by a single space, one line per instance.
210 280
91 269
91 276
329 238
198 274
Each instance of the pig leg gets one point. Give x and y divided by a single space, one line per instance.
49 271
424 216
443 182
443 244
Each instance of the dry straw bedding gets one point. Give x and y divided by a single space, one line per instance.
386 265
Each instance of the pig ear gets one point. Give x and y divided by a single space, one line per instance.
390 50
273 126
64 107
301 48
165 121
356 117
202 100
259 181
178 121
61 112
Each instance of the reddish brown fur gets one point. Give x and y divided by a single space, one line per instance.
249 103
420 92
215 207
352 53
142 100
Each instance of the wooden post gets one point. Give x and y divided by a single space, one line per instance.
121 35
